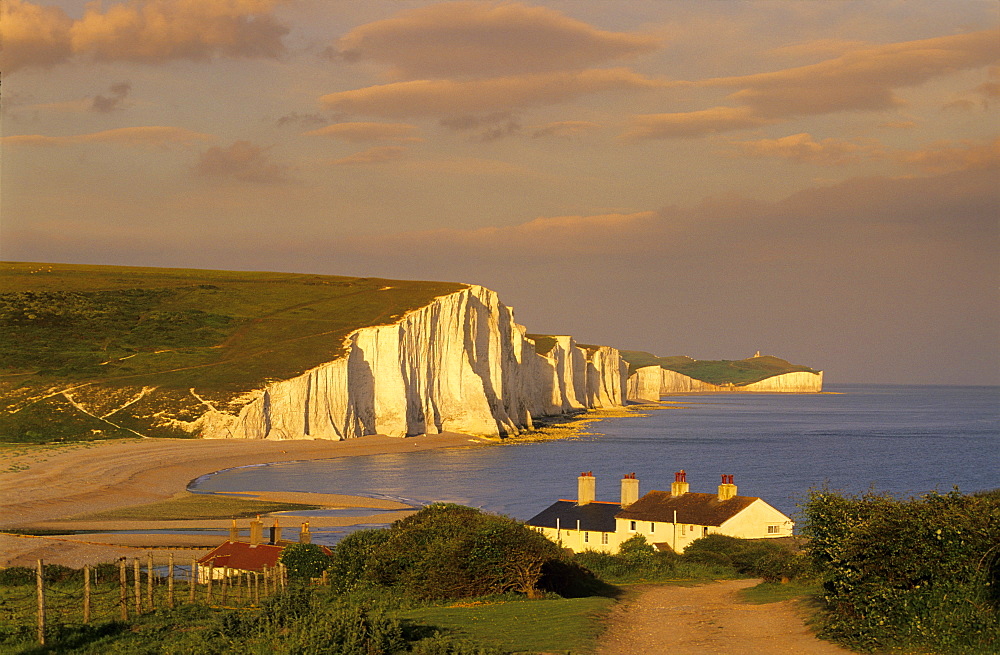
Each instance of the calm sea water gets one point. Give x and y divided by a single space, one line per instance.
902 439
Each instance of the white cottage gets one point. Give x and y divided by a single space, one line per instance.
668 520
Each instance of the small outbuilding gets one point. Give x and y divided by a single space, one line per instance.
234 556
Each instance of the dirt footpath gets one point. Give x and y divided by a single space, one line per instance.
708 619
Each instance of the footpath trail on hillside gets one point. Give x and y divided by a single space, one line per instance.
708 618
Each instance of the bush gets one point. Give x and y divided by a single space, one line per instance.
347 629
759 558
445 645
353 563
305 561
636 560
916 573
451 551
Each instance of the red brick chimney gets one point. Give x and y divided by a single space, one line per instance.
727 489
680 485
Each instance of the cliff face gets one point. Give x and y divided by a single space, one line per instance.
459 364
651 382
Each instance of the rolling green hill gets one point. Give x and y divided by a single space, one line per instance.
737 372
82 341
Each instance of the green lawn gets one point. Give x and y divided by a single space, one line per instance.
560 625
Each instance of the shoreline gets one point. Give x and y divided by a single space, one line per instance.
42 487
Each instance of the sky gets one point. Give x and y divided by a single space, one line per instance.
814 180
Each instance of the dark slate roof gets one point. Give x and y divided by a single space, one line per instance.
694 509
595 517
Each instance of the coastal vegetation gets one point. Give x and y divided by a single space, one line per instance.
918 574
448 580
737 372
98 352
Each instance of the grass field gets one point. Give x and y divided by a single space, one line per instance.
97 352
546 626
194 506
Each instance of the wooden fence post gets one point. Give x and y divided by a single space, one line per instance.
170 580
149 581
123 588
256 588
86 594
225 583
137 585
40 583
211 578
193 580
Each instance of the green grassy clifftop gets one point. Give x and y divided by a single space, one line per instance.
737 372
107 351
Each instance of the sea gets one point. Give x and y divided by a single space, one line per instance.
900 439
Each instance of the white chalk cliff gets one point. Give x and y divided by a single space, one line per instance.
651 382
458 364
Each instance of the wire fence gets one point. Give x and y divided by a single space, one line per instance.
128 588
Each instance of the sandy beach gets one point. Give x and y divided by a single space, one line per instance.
43 486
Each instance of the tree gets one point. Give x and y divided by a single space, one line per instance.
304 560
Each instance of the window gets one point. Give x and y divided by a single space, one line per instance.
683 530
774 529
604 538
631 526
652 527
586 537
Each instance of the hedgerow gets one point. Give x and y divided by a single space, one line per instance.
908 573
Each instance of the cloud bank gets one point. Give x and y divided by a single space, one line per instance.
149 31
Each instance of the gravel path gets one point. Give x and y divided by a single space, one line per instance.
708 619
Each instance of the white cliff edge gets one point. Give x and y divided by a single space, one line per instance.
458 364
650 382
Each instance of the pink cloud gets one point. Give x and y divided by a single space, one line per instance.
244 162
140 30
861 79
946 156
361 132
692 123
147 136
804 148
486 39
376 155
446 97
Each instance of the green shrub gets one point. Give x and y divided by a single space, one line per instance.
636 560
346 629
451 551
915 573
446 645
753 557
305 561
352 564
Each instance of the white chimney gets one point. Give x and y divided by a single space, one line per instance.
586 488
630 489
